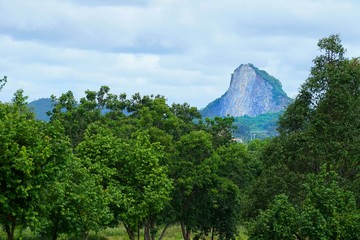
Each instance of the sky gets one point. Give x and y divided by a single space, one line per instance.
185 50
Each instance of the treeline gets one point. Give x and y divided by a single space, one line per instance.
109 159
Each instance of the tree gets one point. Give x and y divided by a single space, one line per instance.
151 180
24 149
221 129
224 214
278 222
206 198
76 116
236 169
191 178
130 172
321 126
273 180
323 119
71 200
3 82
327 212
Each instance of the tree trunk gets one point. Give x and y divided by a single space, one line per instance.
152 229
164 231
85 236
185 232
10 228
54 231
54 235
146 231
138 231
129 231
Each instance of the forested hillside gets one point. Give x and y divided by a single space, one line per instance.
158 166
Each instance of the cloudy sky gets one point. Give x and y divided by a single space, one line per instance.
185 50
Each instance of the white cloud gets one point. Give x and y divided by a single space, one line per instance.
185 50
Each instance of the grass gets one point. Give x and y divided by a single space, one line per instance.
117 233
172 233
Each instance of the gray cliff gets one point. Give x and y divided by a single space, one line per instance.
251 92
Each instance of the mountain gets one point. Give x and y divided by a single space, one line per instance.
252 92
40 107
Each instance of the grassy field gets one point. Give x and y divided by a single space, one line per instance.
119 233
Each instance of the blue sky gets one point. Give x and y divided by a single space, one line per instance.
185 50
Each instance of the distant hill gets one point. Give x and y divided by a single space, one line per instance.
252 92
255 99
259 127
40 107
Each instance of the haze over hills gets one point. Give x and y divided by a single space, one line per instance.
252 92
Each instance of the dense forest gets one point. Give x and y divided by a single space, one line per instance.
92 166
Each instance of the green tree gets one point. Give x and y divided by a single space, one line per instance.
24 149
191 177
130 172
205 199
327 212
321 126
272 181
220 201
3 82
221 129
71 200
236 169
76 116
323 119
279 221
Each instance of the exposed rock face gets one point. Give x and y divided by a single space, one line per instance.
252 92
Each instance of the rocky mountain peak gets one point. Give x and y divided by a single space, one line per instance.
251 92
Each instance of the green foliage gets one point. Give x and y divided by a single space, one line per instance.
208 183
75 117
130 172
74 204
234 169
24 148
236 164
3 81
318 142
146 188
272 181
320 127
278 222
324 116
327 212
19 99
221 130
